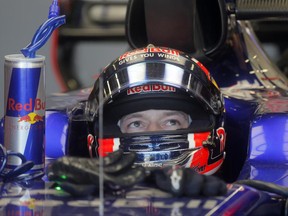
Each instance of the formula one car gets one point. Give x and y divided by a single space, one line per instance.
256 110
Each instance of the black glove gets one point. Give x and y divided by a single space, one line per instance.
80 176
181 181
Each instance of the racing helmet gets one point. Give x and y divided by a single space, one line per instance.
159 78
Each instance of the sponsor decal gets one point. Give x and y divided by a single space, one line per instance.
27 112
90 141
222 138
199 168
37 104
149 50
150 88
149 53
31 118
149 164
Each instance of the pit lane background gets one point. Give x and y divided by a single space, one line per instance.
18 22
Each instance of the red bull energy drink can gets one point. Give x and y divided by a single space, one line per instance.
24 123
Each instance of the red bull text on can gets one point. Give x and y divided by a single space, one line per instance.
24 89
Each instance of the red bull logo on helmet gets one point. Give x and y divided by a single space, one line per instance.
150 88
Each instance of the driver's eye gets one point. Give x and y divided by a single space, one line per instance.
135 124
173 122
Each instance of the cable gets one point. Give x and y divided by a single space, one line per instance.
19 173
265 186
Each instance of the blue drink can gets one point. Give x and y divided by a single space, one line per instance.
24 99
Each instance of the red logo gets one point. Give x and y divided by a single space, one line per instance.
25 118
38 105
151 88
90 141
222 137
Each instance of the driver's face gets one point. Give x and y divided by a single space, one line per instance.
153 120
